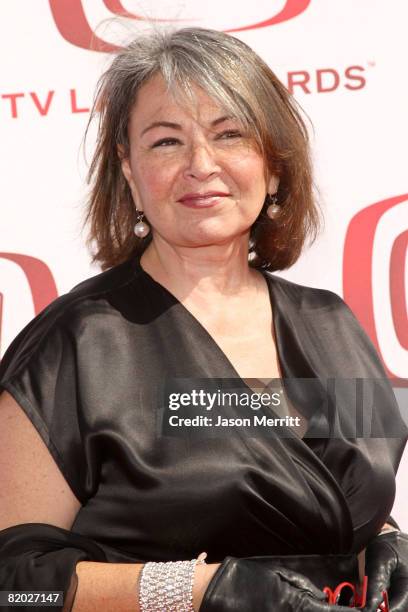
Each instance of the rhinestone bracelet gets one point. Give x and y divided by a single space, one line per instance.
168 586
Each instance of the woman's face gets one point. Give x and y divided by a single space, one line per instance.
197 177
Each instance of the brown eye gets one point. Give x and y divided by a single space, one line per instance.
230 134
164 142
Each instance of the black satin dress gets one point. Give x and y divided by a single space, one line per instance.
89 373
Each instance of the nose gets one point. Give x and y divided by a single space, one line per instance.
201 162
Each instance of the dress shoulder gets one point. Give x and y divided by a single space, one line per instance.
41 369
63 313
304 296
328 326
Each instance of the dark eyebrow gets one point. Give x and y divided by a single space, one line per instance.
177 126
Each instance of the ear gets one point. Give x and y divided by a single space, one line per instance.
121 151
124 162
273 184
127 173
127 170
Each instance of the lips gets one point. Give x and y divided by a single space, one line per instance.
203 196
202 200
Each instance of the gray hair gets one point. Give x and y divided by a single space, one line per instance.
223 66
231 73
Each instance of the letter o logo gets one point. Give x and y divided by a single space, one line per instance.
23 276
375 279
73 25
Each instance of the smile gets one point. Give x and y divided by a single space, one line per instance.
202 200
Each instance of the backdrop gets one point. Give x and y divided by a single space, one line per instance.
344 61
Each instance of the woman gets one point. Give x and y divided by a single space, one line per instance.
203 155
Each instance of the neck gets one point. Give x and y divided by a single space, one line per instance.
202 271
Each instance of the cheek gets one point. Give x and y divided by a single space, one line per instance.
153 183
250 176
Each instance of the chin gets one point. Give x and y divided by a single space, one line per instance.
210 245
213 232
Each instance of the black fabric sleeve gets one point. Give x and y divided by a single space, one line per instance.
40 370
40 557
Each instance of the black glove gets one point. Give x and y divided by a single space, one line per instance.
393 522
256 584
387 570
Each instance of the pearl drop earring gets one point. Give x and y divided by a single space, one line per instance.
141 228
273 209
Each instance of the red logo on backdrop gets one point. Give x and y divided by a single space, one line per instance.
358 270
72 24
39 278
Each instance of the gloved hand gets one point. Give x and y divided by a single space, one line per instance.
387 570
248 585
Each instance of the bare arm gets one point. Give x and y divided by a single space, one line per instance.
33 490
113 587
30 480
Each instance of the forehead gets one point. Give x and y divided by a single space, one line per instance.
154 102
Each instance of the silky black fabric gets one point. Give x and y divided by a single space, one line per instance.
41 557
87 371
